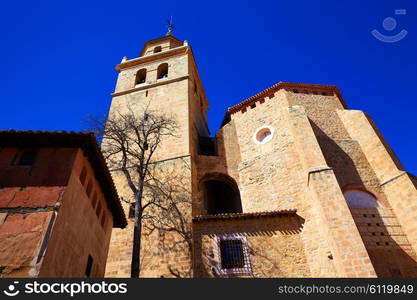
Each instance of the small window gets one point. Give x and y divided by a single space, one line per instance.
141 76
94 202
83 175
232 255
263 135
89 188
98 209
132 211
28 158
89 266
157 49
231 252
162 71
103 219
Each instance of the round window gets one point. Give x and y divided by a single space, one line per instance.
263 135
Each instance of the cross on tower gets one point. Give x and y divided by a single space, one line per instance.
170 26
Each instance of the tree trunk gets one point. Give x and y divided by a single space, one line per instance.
137 233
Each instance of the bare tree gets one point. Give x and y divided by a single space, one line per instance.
170 194
129 143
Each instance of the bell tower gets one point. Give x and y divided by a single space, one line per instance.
164 78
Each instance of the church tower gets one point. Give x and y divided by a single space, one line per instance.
164 78
294 184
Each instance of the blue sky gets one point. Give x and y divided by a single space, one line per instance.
58 57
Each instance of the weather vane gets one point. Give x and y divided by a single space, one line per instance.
170 26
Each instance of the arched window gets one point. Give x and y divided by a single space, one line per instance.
221 195
141 76
360 199
157 49
162 71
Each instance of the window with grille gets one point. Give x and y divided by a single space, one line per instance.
232 255
231 252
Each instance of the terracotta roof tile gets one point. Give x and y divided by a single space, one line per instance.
252 215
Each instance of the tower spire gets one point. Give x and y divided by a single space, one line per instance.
170 27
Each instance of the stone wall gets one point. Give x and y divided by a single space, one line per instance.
162 254
165 249
275 248
396 187
317 150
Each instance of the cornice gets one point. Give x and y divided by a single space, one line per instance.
152 57
253 215
157 40
148 86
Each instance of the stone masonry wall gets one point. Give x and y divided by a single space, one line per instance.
162 254
395 185
275 246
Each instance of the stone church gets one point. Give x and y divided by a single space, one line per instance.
293 184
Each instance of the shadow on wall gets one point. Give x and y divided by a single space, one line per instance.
259 233
388 248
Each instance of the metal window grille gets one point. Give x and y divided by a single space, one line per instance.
232 255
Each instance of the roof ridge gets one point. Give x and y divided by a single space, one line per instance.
277 86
